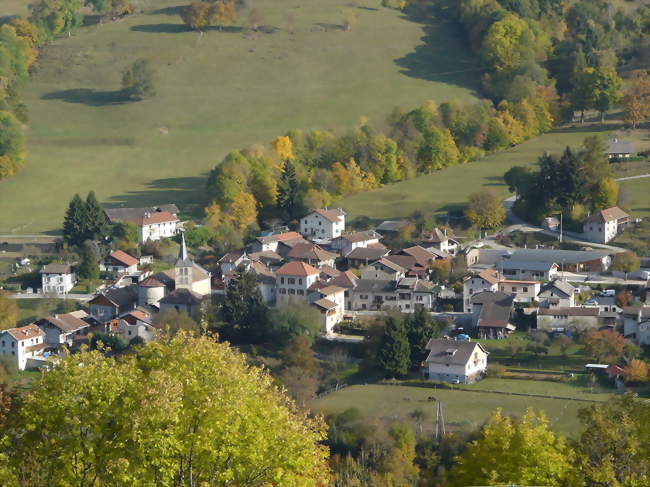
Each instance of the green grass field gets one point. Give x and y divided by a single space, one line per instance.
448 189
217 92
462 409
14 7
30 310
635 195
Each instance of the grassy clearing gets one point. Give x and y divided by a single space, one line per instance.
29 310
635 195
14 7
448 190
462 409
575 389
217 92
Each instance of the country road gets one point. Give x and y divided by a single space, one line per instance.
628 178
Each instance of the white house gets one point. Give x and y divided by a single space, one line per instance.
23 343
293 281
330 301
557 294
576 318
522 291
604 225
405 294
154 223
439 240
323 223
119 261
636 324
57 278
486 280
347 243
63 329
136 324
528 270
456 361
271 242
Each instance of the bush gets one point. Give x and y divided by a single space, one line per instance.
496 370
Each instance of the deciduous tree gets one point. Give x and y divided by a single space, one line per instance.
8 311
485 210
139 80
626 262
243 211
604 345
637 371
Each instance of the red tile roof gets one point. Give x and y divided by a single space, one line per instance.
609 214
25 332
297 268
278 237
124 258
331 215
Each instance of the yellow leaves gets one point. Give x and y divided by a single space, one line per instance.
282 147
637 371
213 215
243 211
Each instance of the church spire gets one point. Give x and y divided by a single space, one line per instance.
183 260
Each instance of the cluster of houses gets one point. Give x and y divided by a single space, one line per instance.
314 266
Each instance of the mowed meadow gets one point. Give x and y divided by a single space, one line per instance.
219 91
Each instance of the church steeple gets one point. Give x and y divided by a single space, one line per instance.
183 267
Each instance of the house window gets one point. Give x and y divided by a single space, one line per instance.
514 289
292 291
282 291
300 281
301 292
282 280
525 289
291 280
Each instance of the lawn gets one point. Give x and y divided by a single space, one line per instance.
461 409
448 189
29 310
635 196
14 7
216 92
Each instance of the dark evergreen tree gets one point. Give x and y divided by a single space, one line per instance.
420 328
244 312
74 221
570 180
89 267
94 218
394 355
289 201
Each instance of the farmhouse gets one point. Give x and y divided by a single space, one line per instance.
604 225
271 242
363 256
57 278
323 224
113 302
561 319
486 280
119 261
619 149
347 243
521 291
404 294
565 260
556 294
455 361
491 313
64 329
154 223
312 254
529 270
293 281
439 240
22 344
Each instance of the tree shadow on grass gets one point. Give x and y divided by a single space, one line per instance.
177 28
186 192
440 58
177 10
88 96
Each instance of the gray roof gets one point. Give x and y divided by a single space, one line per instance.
556 255
527 265
391 225
181 296
56 269
452 352
560 285
374 286
367 253
119 214
618 146
575 311
495 308
121 296
360 236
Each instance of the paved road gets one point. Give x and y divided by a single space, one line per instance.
76 297
627 178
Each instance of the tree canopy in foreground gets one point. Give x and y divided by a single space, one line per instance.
181 412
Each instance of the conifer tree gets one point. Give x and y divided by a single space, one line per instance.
394 351
73 224
89 268
94 218
288 191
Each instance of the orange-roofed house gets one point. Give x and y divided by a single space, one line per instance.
486 280
293 281
602 226
154 223
323 224
119 261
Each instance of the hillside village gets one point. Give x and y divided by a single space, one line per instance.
347 276
297 243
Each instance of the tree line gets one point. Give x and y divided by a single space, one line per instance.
303 170
564 52
574 183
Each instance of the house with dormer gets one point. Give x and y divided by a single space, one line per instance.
324 223
455 361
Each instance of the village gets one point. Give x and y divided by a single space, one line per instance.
483 290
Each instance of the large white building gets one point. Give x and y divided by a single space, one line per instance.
456 361
23 343
636 324
293 281
604 225
57 279
154 223
323 224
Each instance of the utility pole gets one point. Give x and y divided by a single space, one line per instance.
440 423
561 221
